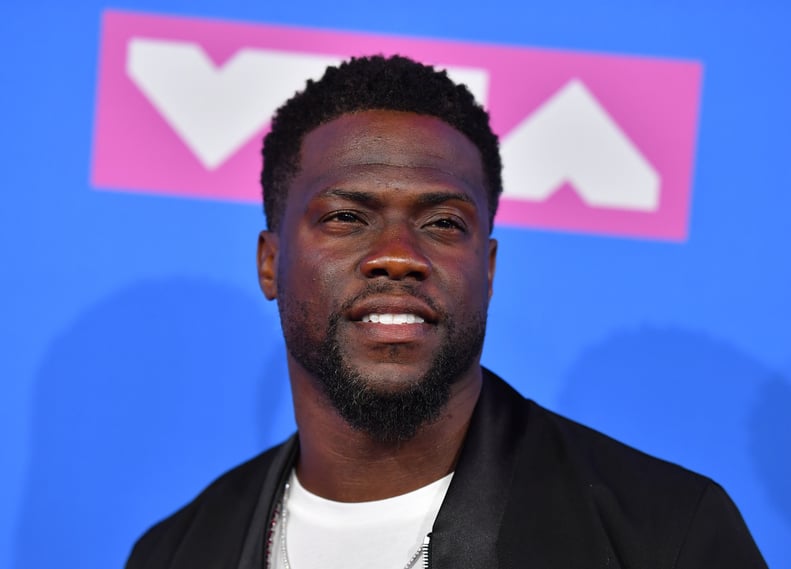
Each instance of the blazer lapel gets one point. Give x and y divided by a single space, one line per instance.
466 529
244 505
254 552
518 497
551 520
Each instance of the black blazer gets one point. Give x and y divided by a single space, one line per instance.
531 489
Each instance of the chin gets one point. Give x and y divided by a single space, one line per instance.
390 403
390 378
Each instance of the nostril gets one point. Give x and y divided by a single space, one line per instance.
418 275
395 269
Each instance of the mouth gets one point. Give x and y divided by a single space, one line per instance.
393 311
393 319
384 321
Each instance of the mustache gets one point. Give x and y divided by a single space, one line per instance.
394 288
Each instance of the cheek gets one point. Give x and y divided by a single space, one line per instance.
313 279
470 277
324 276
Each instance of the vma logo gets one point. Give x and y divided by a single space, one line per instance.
590 143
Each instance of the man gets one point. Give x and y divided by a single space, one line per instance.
381 182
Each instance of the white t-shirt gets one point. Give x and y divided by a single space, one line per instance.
382 534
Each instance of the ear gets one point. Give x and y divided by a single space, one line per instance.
492 263
268 248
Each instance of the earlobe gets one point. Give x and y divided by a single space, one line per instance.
268 248
492 263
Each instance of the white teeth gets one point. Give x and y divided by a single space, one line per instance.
393 318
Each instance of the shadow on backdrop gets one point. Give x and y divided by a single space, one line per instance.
144 400
694 400
770 442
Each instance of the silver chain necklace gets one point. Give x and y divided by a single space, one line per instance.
423 549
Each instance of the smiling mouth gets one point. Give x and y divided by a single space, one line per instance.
393 318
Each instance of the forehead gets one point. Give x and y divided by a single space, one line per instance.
392 142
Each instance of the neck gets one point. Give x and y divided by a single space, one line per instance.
340 463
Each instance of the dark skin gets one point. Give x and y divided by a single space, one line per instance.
381 196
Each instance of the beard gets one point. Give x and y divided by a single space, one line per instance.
387 415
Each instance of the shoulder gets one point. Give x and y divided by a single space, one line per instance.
590 457
650 507
605 462
221 512
645 511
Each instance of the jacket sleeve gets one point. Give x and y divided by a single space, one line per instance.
141 554
156 547
718 536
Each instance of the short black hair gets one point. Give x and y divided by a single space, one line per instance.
375 82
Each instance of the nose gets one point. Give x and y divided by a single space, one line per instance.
395 255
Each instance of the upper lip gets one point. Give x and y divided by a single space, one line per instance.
392 305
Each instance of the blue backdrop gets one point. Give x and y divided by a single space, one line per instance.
139 359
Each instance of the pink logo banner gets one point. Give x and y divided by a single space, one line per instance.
591 143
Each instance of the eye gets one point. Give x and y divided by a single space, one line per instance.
448 224
343 222
342 217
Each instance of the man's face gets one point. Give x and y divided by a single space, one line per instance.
383 266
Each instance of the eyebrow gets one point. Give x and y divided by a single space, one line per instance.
370 199
364 198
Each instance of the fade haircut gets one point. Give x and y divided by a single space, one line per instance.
372 83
